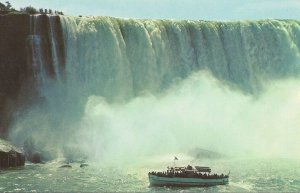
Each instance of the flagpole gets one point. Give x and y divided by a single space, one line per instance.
175 158
174 164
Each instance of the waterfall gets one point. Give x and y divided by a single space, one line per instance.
37 57
119 87
45 50
120 58
54 47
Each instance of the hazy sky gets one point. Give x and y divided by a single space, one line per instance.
173 9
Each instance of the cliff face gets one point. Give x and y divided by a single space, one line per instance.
15 72
68 71
10 156
24 39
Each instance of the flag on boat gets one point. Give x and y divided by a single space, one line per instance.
175 158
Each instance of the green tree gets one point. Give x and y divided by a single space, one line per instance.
31 10
2 7
8 5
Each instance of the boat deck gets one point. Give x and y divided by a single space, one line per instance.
186 181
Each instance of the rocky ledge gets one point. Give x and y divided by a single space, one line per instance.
10 156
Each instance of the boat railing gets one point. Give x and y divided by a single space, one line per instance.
185 174
190 169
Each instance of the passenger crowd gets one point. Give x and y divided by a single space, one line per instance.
185 174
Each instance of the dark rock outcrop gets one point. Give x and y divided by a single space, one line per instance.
66 166
15 73
35 157
31 154
17 81
83 165
10 156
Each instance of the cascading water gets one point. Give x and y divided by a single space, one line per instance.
54 47
38 59
131 94
44 50
118 58
138 87
46 56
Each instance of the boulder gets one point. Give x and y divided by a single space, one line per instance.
10 156
83 165
32 155
66 166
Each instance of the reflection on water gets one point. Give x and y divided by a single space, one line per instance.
246 175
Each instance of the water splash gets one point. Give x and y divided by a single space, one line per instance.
38 59
54 47
135 88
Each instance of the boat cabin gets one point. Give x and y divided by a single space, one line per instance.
203 169
190 169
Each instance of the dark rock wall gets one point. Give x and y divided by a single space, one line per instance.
15 72
17 82
10 155
11 159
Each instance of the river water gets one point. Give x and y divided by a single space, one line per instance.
246 175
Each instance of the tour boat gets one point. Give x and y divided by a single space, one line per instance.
187 176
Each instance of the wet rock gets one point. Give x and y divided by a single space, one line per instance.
35 157
83 165
66 166
10 156
31 154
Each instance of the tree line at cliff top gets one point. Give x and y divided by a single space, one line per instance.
6 8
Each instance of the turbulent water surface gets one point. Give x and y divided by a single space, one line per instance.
246 175
121 91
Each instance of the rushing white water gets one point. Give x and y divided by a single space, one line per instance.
44 49
37 57
54 48
118 58
138 88
255 175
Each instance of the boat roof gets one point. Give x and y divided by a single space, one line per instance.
196 168
201 167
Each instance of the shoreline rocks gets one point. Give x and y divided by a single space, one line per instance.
10 156
31 154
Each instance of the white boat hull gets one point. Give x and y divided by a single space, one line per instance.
179 181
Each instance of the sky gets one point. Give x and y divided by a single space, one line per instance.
173 9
